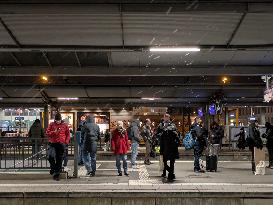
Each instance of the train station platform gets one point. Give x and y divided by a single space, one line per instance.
233 183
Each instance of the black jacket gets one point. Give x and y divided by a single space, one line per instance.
169 141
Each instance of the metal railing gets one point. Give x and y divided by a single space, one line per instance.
25 153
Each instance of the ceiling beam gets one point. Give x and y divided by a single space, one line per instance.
10 33
78 59
121 48
15 59
139 71
236 29
47 59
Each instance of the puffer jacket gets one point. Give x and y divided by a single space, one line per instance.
119 141
63 136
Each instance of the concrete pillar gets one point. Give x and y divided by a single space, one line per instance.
46 116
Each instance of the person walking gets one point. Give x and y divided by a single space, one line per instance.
269 143
169 142
36 134
120 146
147 137
134 136
58 136
91 133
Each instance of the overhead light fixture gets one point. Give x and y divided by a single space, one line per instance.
151 99
1 98
44 78
174 49
224 80
68 99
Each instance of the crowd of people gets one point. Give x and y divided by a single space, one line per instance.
121 140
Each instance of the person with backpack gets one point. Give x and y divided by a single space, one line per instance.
147 137
91 133
216 133
169 143
134 137
120 146
269 143
199 135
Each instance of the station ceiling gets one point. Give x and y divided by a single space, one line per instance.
99 51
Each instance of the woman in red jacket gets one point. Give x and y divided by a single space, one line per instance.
120 146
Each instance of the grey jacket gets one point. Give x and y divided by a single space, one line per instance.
90 129
135 131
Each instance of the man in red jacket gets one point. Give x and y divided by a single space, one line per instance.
58 136
120 146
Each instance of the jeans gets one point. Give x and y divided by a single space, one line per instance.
197 154
148 151
89 158
65 155
134 152
80 154
122 157
55 157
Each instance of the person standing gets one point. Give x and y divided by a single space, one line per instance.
147 137
199 134
107 137
254 140
79 138
58 136
269 143
91 133
120 146
135 140
242 139
36 134
169 142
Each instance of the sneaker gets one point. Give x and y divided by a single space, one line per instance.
88 173
163 175
92 174
120 174
51 172
171 177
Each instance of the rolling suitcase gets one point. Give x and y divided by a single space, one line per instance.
212 157
211 163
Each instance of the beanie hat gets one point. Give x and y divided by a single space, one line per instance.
58 116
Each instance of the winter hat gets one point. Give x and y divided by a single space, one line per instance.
58 116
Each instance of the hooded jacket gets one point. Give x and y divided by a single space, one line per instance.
90 131
58 133
36 130
135 131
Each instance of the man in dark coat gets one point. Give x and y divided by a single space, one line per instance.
169 142
36 133
91 133
269 143
254 140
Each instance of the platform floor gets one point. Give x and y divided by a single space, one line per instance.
232 176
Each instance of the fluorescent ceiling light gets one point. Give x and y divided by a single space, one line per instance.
175 49
151 99
68 98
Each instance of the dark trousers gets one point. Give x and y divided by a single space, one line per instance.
65 156
170 168
197 152
55 157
